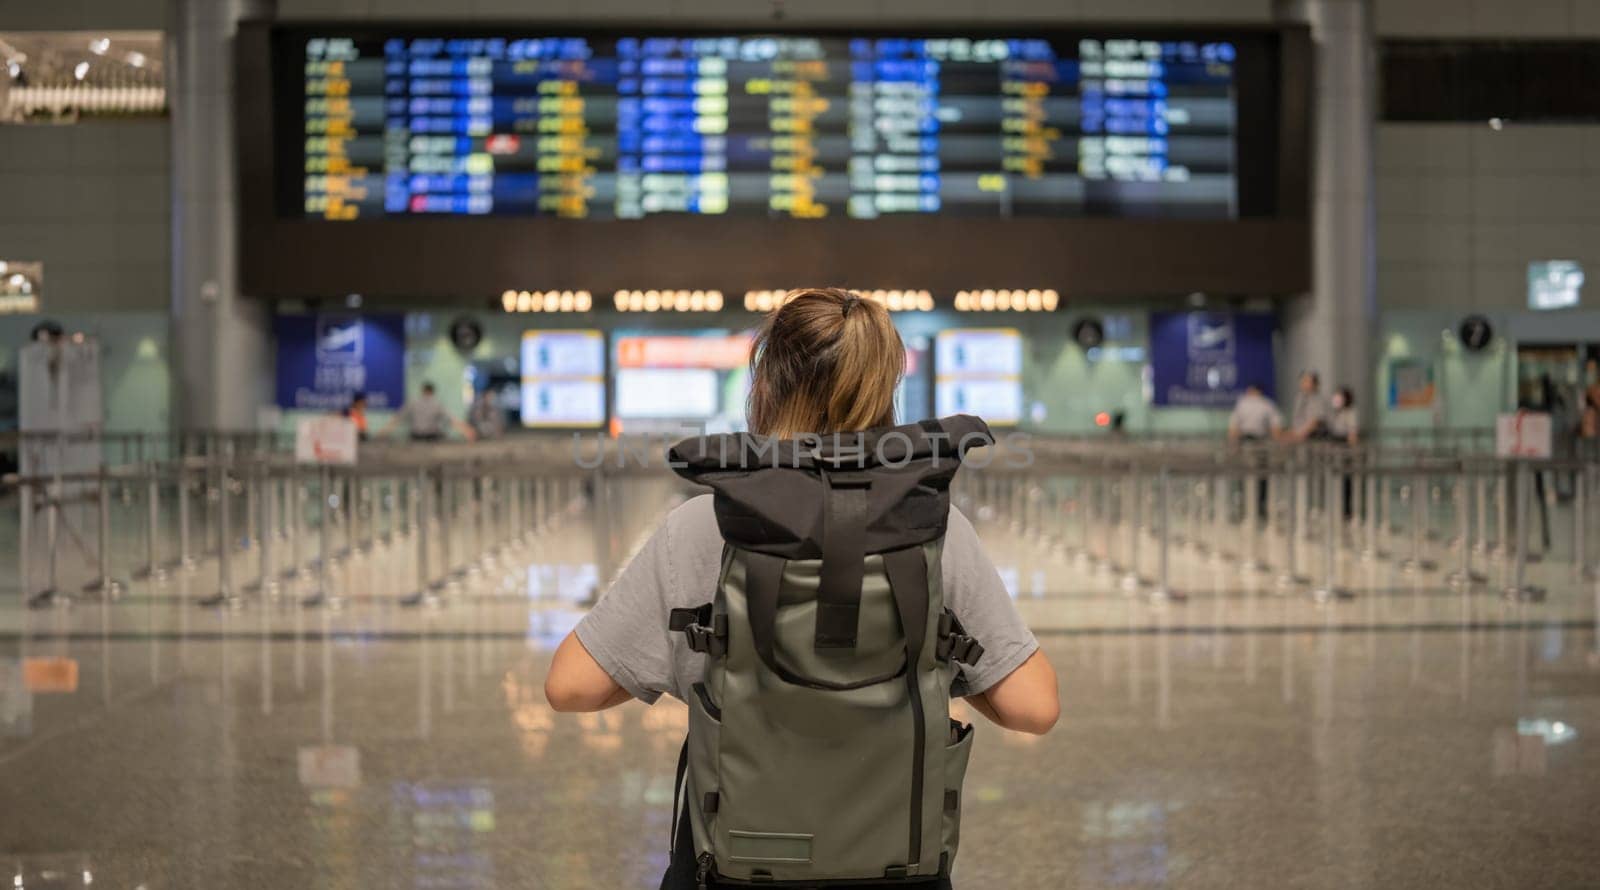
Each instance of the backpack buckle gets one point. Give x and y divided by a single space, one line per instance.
705 632
955 644
711 640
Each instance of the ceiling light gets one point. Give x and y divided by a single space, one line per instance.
99 45
583 301
508 301
81 71
15 69
136 59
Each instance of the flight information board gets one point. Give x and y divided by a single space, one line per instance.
563 379
788 125
979 371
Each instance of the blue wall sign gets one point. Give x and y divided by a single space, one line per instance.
1206 359
323 359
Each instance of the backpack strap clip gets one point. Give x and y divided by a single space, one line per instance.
705 632
954 643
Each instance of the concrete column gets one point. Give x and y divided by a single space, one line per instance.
222 341
1330 329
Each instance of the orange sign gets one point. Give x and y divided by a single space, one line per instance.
720 353
50 674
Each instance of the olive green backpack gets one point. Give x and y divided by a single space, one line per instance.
821 748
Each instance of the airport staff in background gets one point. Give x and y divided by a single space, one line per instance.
1255 417
1343 424
487 420
426 419
1310 417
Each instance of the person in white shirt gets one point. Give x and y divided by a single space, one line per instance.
1254 418
1310 410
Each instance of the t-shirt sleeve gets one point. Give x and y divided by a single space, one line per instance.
626 631
974 592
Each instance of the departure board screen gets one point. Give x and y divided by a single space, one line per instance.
979 371
784 125
563 379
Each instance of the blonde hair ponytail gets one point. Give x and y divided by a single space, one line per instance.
826 361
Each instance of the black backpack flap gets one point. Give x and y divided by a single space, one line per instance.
774 496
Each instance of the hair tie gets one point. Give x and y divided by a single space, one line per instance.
849 303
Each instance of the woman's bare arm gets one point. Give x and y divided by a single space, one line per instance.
1027 700
578 683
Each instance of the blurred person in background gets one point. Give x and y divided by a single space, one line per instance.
426 419
357 412
485 416
1255 417
1589 424
1343 423
1309 419
1344 427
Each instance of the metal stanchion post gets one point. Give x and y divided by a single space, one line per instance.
1519 589
1163 590
185 561
1290 575
25 541
1481 489
267 580
1370 551
1502 503
1421 510
1580 522
1252 521
1221 517
295 497
417 519
152 568
448 509
103 583
1131 498
1463 576
251 482
481 522
1333 511
326 509
225 594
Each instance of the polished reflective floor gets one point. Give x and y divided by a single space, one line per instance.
1414 734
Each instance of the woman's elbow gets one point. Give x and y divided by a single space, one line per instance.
1037 720
567 697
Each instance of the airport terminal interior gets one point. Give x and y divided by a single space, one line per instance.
342 343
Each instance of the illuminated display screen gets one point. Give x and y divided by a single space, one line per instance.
979 371
563 379
666 382
793 125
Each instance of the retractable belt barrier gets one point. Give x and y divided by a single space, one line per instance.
1141 513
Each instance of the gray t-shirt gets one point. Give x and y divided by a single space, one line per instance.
627 633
